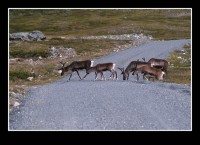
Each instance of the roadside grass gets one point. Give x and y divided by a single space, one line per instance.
14 75
28 49
40 48
180 68
86 49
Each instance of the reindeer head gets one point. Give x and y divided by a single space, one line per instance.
62 69
123 73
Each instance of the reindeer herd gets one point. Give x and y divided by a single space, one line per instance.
153 69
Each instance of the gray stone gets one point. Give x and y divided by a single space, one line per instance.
16 104
28 36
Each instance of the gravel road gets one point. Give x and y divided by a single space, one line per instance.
110 104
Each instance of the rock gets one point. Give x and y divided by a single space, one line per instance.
30 78
28 36
13 93
16 104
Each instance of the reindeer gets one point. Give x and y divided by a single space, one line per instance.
99 68
159 63
132 67
75 66
151 71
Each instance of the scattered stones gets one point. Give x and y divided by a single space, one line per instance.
62 52
120 37
137 39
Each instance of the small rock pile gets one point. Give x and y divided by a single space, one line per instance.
61 52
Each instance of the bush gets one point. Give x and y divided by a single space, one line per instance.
29 54
14 75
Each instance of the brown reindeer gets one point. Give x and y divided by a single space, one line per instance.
151 72
132 67
75 66
159 63
99 68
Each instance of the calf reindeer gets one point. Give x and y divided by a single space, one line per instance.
132 67
75 66
99 68
151 71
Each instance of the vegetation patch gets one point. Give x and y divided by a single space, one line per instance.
161 24
180 66
15 75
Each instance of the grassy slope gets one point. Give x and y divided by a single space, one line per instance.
161 24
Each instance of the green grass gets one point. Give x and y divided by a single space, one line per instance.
161 24
181 70
24 53
15 75
28 49
40 48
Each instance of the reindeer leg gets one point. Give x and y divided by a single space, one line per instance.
96 75
78 73
85 76
70 76
116 75
136 73
128 76
110 75
151 78
137 77
113 73
103 76
144 76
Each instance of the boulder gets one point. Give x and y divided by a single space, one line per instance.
28 36
30 78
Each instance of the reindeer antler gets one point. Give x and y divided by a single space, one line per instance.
122 69
62 63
